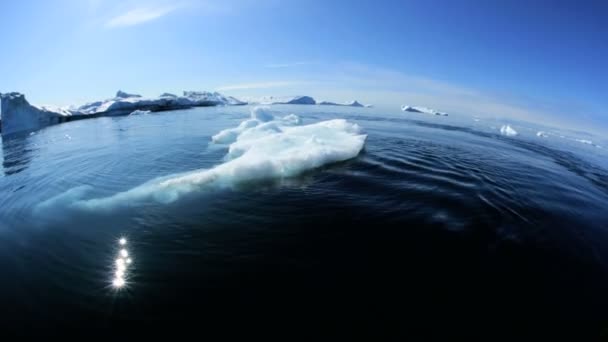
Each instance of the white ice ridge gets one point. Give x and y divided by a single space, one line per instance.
262 147
508 131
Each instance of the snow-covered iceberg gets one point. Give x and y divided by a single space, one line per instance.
424 110
274 100
508 131
354 103
262 147
124 95
18 115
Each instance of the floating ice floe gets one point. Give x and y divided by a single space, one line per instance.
541 134
260 148
508 131
423 110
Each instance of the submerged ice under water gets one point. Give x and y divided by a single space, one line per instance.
262 147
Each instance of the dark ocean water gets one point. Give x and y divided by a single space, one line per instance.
441 226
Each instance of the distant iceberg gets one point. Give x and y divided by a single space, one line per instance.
354 103
541 134
262 147
276 100
140 112
123 95
19 115
508 131
424 110
584 141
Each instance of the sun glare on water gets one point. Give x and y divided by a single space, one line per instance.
123 260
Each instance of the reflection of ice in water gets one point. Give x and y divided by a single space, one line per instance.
121 265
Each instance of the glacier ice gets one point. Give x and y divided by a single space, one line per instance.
508 131
424 110
258 149
18 115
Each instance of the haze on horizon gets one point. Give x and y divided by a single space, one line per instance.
542 61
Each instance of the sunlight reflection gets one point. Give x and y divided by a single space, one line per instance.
120 271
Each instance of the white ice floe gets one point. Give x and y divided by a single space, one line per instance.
508 131
542 134
262 147
423 110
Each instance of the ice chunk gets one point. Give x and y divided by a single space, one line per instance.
424 110
541 134
508 131
584 141
279 148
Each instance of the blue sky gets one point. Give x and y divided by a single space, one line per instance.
536 60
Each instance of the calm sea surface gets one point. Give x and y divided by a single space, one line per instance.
440 224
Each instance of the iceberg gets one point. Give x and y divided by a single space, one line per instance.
262 147
354 103
19 115
168 95
272 100
584 141
123 95
541 134
423 110
508 131
306 100
140 112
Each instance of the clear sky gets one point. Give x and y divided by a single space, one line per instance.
537 60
